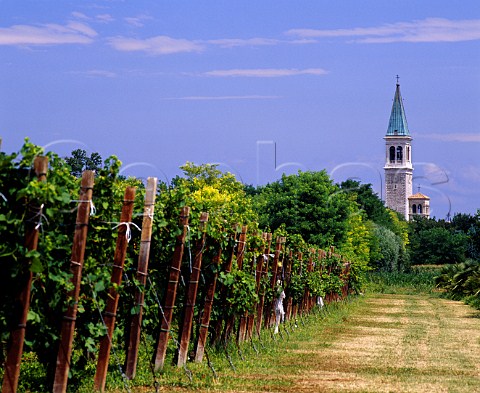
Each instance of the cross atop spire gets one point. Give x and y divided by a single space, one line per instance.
398 121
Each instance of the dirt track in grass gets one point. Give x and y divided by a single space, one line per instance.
384 343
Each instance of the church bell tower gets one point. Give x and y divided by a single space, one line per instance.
398 159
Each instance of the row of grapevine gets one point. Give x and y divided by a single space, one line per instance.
145 260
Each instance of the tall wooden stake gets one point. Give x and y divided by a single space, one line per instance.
110 313
17 336
207 311
230 321
298 306
257 262
141 276
306 296
76 264
227 268
171 291
288 277
264 271
242 327
186 326
273 283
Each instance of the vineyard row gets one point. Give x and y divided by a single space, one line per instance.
240 288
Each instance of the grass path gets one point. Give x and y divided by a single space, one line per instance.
380 343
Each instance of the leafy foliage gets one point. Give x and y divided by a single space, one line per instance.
241 291
79 162
368 201
461 281
308 204
438 246
388 249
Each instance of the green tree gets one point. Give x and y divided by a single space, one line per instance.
368 201
394 227
356 246
388 253
309 204
79 161
438 246
470 225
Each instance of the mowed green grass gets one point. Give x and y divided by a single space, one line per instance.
398 337
376 343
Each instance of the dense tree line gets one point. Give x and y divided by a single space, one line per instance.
455 245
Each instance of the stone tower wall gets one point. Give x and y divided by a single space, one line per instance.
398 187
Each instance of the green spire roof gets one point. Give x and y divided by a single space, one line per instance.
398 122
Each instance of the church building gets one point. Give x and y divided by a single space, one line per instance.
398 165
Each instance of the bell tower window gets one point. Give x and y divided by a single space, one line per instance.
392 154
414 209
419 209
399 154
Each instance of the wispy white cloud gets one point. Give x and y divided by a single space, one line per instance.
234 42
137 21
426 30
96 73
49 34
159 45
222 98
265 72
104 18
80 15
452 137
102 73
81 28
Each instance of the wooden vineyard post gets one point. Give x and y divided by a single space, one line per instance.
242 328
187 320
171 294
109 315
288 275
306 298
321 256
346 277
296 305
17 336
76 264
328 296
141 276
207 311
315 266
273 283
264 271
230 322
227 268
256 262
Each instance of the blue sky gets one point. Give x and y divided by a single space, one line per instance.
259 87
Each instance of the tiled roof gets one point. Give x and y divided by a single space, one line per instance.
418 195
